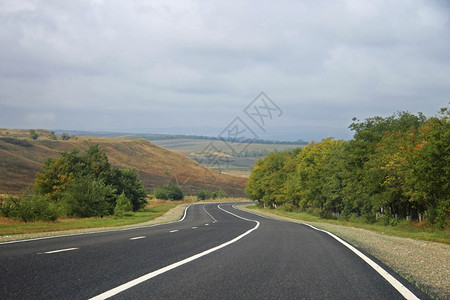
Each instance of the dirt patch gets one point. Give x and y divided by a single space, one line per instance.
426 264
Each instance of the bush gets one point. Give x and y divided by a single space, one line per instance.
29 208
169 192
123 205
87 197
205 194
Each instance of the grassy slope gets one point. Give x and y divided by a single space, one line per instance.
21 158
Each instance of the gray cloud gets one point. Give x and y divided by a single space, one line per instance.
196 64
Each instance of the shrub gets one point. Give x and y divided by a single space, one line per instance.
33 134
28 208
204 194
87 197
169 192
123 205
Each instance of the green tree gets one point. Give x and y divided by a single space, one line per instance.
127 181
89 197
33 134
169 192
123 205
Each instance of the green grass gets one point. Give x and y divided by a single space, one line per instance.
9 227
402 229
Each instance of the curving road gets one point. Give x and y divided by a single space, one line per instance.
214 252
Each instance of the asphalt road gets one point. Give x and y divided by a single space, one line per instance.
210 254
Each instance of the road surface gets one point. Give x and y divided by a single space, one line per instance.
214 252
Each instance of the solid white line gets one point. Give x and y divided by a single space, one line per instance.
389 278
173 231
94 232
61 250
404 291
148 276
137 238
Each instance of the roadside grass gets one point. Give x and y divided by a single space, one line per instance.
156 208
404 228
153 210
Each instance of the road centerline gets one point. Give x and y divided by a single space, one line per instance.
153 274
60 250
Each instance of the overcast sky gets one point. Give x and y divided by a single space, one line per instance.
193 66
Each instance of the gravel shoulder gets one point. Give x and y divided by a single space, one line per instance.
426 264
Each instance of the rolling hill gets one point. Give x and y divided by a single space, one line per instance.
21 157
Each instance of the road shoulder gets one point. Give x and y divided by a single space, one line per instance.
421 262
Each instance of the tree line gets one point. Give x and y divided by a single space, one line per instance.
394 167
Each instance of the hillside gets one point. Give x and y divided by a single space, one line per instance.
21 157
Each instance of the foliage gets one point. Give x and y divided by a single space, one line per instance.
127 181
33 134
169 192
394 167
86 185
203 194
28 207
65 136
88 197
123 205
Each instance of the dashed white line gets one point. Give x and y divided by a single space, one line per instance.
60 250
209 214
206 224
194 227
148 276
172 231
137 238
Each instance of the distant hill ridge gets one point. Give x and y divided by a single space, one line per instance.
21 157
157 136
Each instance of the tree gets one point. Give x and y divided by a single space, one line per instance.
169 192
65 136
127 181
33 134
123 205
89 197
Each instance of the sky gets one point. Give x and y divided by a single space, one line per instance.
199 67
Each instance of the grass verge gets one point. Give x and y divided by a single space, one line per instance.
150 212
402 229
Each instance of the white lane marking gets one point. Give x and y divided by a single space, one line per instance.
209 214
206 224
389 278
148 276
61 250
137 238
172 231
194 227
102 231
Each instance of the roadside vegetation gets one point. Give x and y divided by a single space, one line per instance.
152 211
80 186
203 194
394 172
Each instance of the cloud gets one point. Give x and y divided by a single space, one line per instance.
193 62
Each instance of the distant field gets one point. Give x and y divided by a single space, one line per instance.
225 160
